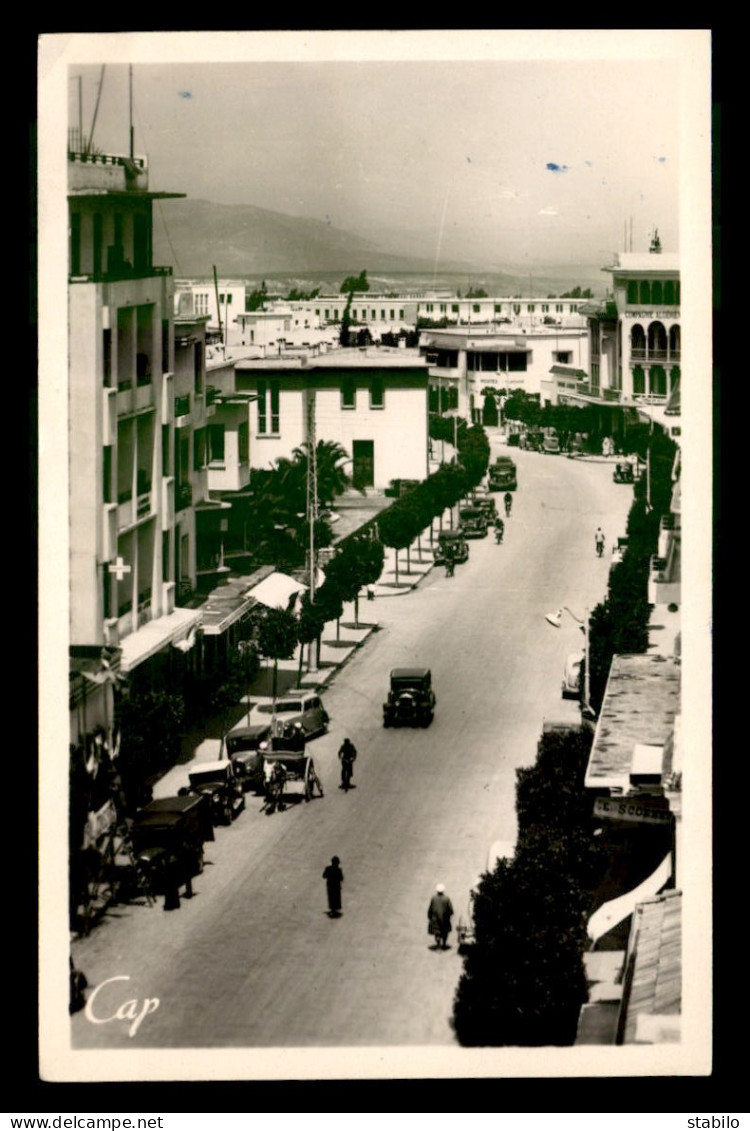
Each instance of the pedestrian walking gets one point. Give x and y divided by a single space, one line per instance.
347 756
599 541
439 915
334 878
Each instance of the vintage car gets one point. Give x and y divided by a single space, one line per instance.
167 841
298 779
473 522
299 710
219 782
503 475
488 505
623 473
551 445
245 746
451 543
465 927
571 684
411 700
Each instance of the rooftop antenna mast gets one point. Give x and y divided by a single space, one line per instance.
87 147
130 85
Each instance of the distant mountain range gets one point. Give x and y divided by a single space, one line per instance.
193 236
243 241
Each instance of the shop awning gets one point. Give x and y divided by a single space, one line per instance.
229 602
157 634
277 590
615 910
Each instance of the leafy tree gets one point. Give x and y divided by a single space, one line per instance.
277 638
310 625
354 283
397 527
330 600
524 979
490 414
256 299
346 321
476 292
330 460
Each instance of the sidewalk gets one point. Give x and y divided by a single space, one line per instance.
336 648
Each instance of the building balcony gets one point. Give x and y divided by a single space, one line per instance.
144 607
181 410
183 496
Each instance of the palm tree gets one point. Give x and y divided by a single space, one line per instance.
330 458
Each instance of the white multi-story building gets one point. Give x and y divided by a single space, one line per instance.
121 395
373 402
468 361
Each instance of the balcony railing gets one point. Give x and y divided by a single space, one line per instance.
143 505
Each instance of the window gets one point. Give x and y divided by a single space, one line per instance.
516 308
656 291
454 309
262 397
559 308
243 442
107 473
393 315
669 293
545 308
216 443
199 449
401 315
632 293
201 303
382 315
165 339
275 408
75 243
639 380
376 392
198 367
166 461
165 556
107 358
530 308
476 308
374 314
348 392
645 291
563 357
98 243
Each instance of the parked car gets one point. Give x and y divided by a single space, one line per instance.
411 700
245 746
571 684
219 782
473 522
451 542
488 505
299 709
551 445
532 440
167 841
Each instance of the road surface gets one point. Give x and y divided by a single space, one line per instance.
253 960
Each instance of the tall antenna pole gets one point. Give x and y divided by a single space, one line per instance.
80 112
312 488
87 146
218 308
130 83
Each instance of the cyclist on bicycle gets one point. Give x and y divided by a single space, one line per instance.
347 755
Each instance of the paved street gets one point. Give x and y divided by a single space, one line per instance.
253 959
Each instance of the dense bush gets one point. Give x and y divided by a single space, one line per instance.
524 979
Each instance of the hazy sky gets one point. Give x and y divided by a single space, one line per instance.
520 158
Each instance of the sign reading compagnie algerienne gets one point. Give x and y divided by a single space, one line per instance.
628 809
673 312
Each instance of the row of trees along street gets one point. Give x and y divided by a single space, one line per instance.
524 978
414 511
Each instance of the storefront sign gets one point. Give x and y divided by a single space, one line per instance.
628 809
673 312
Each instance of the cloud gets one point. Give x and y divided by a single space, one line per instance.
548 212
555 168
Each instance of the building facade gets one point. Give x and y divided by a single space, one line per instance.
373 402
471 361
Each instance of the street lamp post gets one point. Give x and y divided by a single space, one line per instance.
555 619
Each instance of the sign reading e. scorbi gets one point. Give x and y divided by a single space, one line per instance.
621 809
